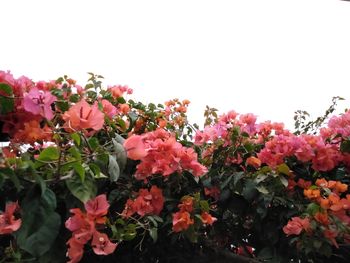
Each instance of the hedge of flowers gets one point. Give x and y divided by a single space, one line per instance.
92 176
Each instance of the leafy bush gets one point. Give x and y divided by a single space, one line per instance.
93 177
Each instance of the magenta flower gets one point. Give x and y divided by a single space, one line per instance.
39 102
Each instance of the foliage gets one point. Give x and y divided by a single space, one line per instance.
92 176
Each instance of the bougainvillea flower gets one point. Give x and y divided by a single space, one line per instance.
182 221
253 161
8 223
207 218
39 102
331 235
101 244
75 251
108 108
186 204
135 147
84 116
157 199
296 225
97 207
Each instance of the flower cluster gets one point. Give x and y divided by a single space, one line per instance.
147 202
8 221
160 153
84 227
189 206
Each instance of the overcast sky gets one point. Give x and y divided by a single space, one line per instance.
268 57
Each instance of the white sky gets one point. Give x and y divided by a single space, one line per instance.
268 57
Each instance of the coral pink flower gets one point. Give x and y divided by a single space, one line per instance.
186 204
108 108
135 147
97 207
84 116
8 223
182 221
75 251
253 161
207 218
296 225
39 102
101 244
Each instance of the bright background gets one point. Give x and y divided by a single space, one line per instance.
268 57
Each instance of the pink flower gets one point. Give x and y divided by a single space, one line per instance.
101 244
8 223
108 108
39 102
182 221
207 218
84 116
75 251
97 207
296 225
135 147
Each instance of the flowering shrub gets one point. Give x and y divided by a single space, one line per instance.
89 176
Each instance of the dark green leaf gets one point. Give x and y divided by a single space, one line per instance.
40 223
84 191
345 146
6 102
47 155
153 232
8 172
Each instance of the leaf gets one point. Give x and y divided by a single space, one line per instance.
249 190
262 189
204 206
226 182
79 169
6 102
345 146
120 154
84 191
284 181
93 142
238 176
47 155
76 138
153 232
283 169
8 172
95 169
40 222
113 169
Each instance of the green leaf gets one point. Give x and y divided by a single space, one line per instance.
130 232
284 181
113 169
40 223
249 190
204 206
79 169
8 172
283 169
262 189
6 103
345 146
76 138
238 176
47 155
153 232
93 142
120 154
95 169
84 191
226 182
